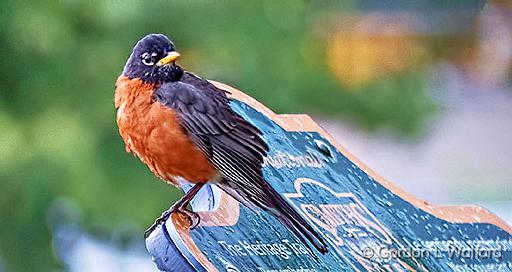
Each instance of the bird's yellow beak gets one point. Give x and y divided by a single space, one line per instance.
171 56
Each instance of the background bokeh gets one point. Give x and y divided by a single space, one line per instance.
419 90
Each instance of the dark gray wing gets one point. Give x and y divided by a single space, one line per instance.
233 145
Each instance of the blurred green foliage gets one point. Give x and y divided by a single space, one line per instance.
58 64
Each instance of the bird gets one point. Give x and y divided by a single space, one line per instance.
182 127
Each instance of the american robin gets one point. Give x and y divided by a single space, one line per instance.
181 125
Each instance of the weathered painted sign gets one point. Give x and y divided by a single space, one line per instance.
370 224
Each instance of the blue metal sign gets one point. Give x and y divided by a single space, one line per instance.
370 224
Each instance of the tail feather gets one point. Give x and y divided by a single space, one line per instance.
288 216
276 205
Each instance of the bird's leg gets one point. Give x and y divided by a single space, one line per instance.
181 207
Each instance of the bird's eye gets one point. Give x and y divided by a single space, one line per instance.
148 59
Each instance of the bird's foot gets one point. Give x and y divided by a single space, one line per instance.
193 217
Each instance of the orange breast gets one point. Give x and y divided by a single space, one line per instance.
152 132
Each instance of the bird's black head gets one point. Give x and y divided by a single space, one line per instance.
153 60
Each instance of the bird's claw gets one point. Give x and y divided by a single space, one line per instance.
193 217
